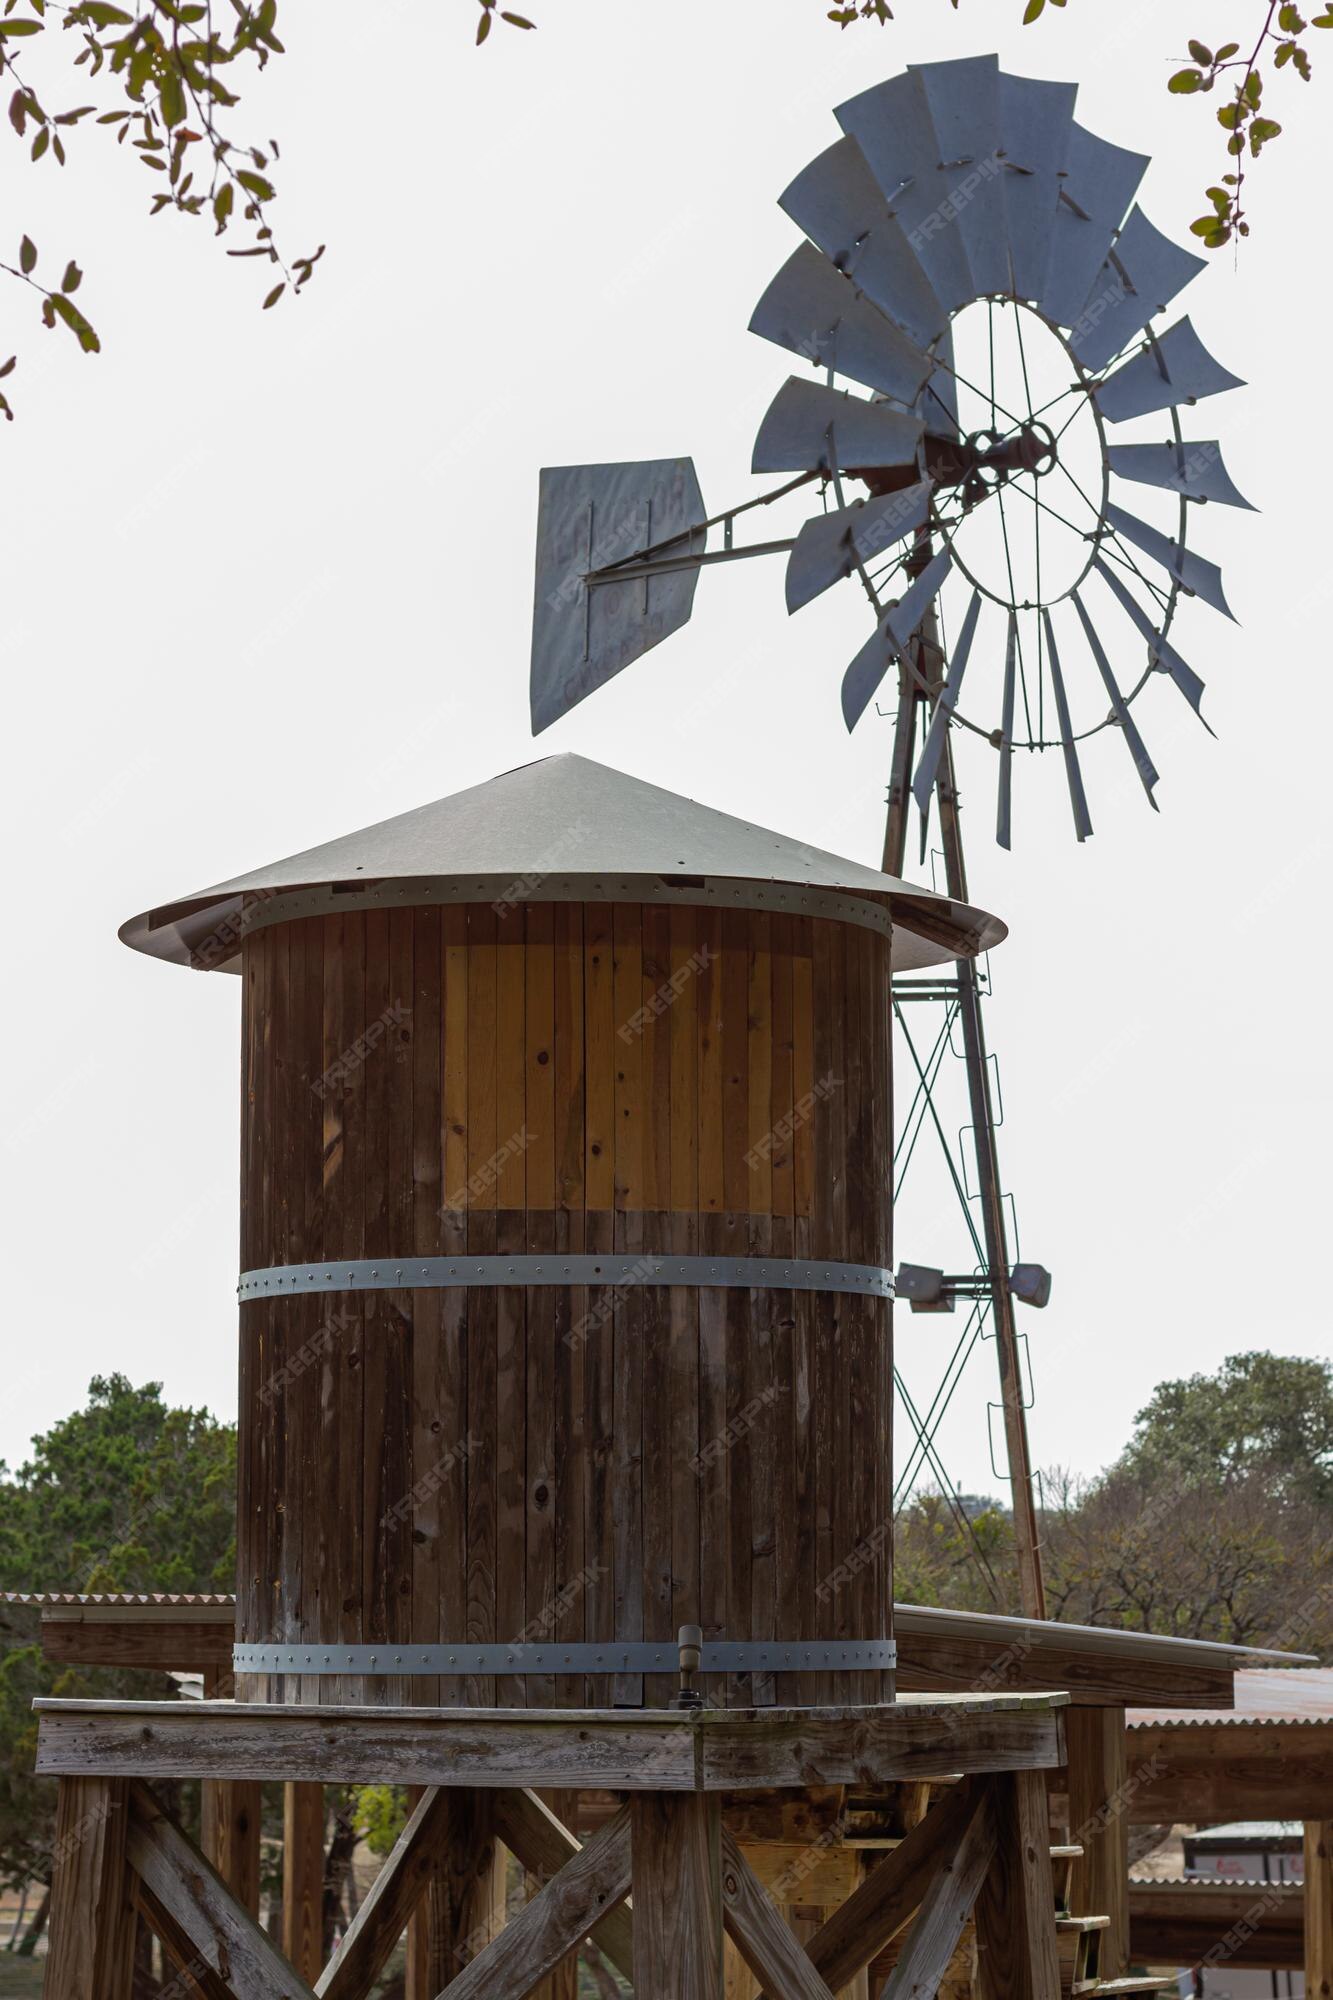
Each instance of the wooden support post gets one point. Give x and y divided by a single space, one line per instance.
1016 1957
303 1878
677 1851
543 1844
563 1982
460 1905
229 1819
1099 1794
91 1951
757 1928
1319 1909
945 1908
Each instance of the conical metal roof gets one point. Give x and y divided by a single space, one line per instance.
561 829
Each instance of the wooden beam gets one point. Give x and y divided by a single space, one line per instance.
1100 1796
202 1906
579 1750
191 1970
229 1821
554 1923
465 1893
1319 1909
945 1908
1019 1655
1217 1923
303 1878
92 1932
677 1854
538 1840
1016 1938
892 1892
175 1646
764 1940
421 1849
1208 1773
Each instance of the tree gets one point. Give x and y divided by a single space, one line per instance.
126 1494
1264 1417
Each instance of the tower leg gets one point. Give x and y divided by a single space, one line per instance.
1015 1912
459 1915
1098 1823
1319 1909
303 1878
677 1849
91 1953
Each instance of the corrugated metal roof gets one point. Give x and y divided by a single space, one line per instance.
1263 1695
562 819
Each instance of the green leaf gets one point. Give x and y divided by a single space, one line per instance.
73 277
1253 87
1231 116
517 21
8 367
173 99
41 142
275 295
483 26
256 185
1323 20
1284 55
27 256
1205 225
76 323
8 29
1032 10
1202 54
1289 20
223 203
1184 81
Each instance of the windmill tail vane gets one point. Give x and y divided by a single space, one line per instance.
976 261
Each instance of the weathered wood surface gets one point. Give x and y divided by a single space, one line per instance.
677 1856
92 1926
419 1852
1206 1773
628 1750
193 1974
1318 1845
465 1899
1239 1923
1099 1792
1017 1957
229 1833
200 1903
755 1925
554 1922
1020 1655
592 1463
543 1844
127 1636
946 1906
303 1878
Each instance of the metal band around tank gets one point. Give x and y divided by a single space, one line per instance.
388 1274
719 1656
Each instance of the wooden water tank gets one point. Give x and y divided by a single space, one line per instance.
566 1232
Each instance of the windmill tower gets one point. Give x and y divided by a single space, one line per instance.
976 260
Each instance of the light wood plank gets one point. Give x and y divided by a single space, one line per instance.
303 1878
1099 1798
199 1901
1319 1909
537 1838
677 1850
945 1909
756 1927
1016 1930
554 1923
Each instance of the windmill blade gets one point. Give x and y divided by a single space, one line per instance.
923 783
589 515
963 98
937 405
1199 576
838 202
812 309
1036 119
1078 798
1161 652
1005 796
891 125
1100 182
892 636
1194 469
1177 368
810 427
1139 279
831 546
1143 763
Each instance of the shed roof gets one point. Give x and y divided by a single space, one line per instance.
562 828
1263 1695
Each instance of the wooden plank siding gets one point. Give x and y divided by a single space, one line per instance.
591 1463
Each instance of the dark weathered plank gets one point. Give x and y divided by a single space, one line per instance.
1016 1939
677 1897
225 1934
945 1908
535 1837
1209 1773
555 1922
765 1941
303 1878
91 1936
1318 1846
1219 1923
1098 1793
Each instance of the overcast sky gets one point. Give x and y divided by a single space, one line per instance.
267 578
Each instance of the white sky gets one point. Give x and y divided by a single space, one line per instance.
268 579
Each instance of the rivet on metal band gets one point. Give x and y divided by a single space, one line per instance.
772 1656
381 1274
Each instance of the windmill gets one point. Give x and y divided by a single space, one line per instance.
974 259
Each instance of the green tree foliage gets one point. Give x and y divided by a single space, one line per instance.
1264 1417
126 1494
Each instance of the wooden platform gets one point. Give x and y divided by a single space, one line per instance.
623 1750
